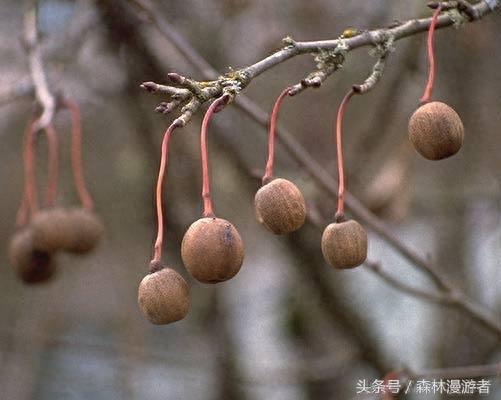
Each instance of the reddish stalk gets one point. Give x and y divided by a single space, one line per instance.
29 200
22 212
268 172
50 197
431 59
340 197
161 172
76 155
206 196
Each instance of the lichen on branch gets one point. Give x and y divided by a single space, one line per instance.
329 55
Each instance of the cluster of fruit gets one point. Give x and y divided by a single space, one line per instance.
42 233
212 250
435 130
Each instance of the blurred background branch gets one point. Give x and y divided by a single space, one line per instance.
38 76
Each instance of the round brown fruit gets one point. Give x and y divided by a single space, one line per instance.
84 231
31 265
212 250
50 230
436 131
344 244
280 206
163 297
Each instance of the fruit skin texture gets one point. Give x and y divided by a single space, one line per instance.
75 230
85 231
32 266
50 230
163 297
212 250
280 206
436 131
344 244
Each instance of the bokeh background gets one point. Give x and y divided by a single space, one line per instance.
287 326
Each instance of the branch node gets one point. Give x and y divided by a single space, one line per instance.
462 6
289 41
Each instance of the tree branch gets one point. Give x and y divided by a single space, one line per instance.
329 54
426 295
73 39
42 92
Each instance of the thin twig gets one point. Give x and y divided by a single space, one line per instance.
426 295
73 39
42 92
368 38
149 14
461 5
329 54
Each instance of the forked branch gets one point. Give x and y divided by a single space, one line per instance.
329 55
38 76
